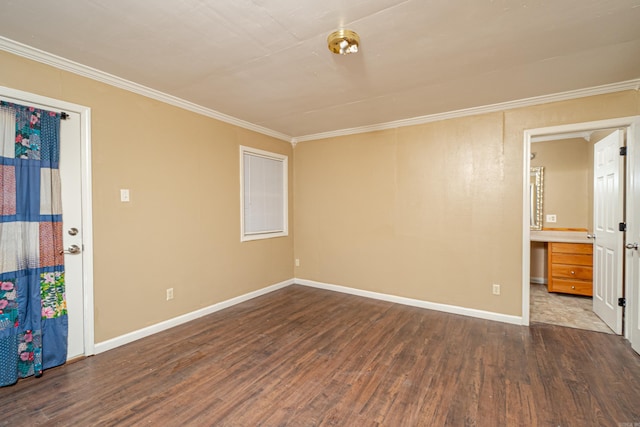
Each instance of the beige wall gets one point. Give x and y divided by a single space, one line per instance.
182 226
566 181
432 212
538 262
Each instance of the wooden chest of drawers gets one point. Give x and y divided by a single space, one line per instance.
570 268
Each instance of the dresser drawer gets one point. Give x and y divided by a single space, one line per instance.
573 259
572 248
572 287
571 271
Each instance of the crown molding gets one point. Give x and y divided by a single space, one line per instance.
492 108
61 63
47 58
584 135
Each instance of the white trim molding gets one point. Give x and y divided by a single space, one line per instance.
446 308
584 135
176 321
492 108
47 58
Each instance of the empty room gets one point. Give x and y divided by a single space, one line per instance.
385 212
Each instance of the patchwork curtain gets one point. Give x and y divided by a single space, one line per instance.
33 311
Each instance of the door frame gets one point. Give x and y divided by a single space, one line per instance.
86 199
619 122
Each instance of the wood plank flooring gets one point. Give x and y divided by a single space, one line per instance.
308 357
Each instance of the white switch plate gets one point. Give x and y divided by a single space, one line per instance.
169 294
124 195
297 262
495 289
551 218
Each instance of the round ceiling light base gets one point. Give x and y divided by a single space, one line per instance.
343 42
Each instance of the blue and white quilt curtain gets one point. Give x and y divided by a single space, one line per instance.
33 311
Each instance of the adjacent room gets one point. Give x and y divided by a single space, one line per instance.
320 213
562 269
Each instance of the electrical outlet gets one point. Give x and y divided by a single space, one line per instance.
496 289
551 218
169 294
124 195
297 262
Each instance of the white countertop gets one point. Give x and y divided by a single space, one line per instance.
560 236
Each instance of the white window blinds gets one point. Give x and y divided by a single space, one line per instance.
264 194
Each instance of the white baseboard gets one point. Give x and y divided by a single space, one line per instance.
167 324
538 280
454 309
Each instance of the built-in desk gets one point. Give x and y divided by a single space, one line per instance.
570 261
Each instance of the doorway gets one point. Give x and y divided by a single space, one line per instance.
561 290
631 285
75 171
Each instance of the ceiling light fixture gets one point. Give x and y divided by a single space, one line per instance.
343 42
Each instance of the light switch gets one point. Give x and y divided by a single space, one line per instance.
124 195
551 218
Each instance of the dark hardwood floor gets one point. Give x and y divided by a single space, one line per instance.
307 357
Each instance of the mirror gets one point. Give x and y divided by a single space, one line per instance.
536 187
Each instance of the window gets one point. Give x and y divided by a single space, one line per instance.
263 194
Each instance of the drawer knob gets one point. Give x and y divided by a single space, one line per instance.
573 287
573 272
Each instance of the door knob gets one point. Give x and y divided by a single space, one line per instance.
73 231
591 236
631 246
73 249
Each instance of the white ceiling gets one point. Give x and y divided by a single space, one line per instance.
267 62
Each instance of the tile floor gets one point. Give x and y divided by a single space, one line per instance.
566 310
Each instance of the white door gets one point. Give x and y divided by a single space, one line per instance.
608 199
633 238
71 177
